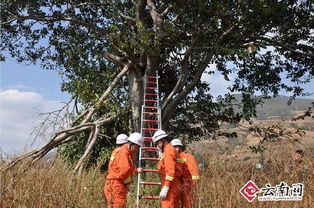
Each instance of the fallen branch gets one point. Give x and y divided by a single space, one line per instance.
67 135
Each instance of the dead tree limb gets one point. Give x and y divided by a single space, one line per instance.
66 135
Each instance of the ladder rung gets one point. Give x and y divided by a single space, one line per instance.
150 197
150 88
150 82
150 170
150 107
150 183
151 100
150 149
151 113
150 121
148 139
151 77
150 158
149 129
150 93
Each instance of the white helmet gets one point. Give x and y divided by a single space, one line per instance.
122 139
158 135
136 138
176 142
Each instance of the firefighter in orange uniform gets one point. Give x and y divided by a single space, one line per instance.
120 171
190 174
120 141
169 169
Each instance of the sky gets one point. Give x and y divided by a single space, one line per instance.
27 90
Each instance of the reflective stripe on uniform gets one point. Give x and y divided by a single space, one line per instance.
112 158
195 177
182 160
169 178
128 180
161 157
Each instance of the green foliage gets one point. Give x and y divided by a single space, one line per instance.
71 37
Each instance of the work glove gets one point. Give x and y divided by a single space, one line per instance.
164 192
139 170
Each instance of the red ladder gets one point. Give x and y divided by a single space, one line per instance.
150 123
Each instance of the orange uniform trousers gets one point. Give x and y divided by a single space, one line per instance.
116 193
171 200
186 196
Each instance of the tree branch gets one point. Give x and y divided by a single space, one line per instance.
127 17
62 18
8 22
106 93
165 12
183 73
91 142
172 100
120 61
227 32
153 11
140 11
277 43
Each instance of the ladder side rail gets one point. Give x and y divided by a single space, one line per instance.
140 150
158 104
159 125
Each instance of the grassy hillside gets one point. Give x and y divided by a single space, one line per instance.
53 185
227 164
279 107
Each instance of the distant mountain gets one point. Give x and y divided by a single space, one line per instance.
278 106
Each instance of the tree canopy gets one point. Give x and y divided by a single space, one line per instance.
263 44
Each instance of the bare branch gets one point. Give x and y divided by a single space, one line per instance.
165 12
59 138
174 19
127 17
227 32
166 109
8 22
104 96
120 61
183 73
91 136
153 11
92 140
66 135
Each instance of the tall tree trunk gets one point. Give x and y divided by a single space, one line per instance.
136 90
166 115
152 64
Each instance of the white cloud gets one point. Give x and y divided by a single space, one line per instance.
218 84
18 118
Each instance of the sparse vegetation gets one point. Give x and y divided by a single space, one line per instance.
54 185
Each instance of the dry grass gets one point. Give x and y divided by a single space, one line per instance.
44 186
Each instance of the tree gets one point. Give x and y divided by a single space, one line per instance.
89 42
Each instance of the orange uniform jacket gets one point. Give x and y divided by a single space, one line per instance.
168 166
190 167
121 166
